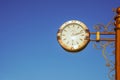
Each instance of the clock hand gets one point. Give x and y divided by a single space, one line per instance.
74 34
77 34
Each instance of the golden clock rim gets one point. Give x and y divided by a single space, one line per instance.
73 22
68 48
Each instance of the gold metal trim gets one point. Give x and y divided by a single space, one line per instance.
97 36
68 48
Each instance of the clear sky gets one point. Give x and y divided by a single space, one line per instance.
28 46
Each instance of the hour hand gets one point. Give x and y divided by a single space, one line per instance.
81 32
76 34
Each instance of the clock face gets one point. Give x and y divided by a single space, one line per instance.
72 36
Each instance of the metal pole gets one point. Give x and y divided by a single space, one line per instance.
117 45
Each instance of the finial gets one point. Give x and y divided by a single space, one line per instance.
118 10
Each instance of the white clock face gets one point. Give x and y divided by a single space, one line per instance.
72 35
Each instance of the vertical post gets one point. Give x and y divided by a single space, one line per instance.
117 45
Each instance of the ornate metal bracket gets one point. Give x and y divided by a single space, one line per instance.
106 44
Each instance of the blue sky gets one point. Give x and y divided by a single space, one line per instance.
28 46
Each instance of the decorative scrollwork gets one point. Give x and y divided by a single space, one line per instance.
108 48
108 56
105 28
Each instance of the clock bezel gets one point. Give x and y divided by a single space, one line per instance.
80 47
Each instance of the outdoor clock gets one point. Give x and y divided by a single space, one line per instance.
73 36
